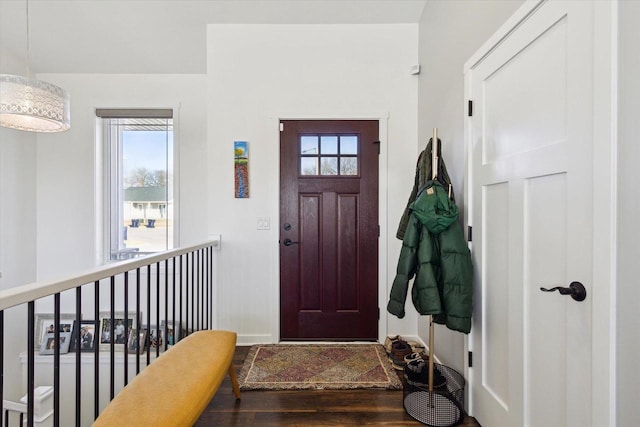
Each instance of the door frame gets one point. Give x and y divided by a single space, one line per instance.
382 118
603 293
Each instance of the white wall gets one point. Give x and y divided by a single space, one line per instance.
258 74
17 237
17 196
17 226
450 32
67 187
628 269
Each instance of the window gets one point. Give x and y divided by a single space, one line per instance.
139 181
329 155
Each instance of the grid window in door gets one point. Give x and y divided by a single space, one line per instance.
329 155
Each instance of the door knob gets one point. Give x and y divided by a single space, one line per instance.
575 289
289 242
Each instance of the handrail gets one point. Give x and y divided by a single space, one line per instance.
33 291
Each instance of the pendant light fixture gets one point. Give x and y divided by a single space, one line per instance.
33 105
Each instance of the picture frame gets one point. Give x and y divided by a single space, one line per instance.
87 336
44 324
155 337
121 331
172 336
49 342
136 337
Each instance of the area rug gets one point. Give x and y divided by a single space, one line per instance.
317 366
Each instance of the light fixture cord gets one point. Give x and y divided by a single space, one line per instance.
28 52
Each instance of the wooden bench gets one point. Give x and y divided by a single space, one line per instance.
175 389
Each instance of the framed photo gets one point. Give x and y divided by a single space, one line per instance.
120 330
87 336
155 338
137 341
49 343
45 322
167 330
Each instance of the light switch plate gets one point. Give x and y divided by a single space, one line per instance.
264 223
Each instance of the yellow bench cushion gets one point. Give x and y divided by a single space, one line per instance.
176 388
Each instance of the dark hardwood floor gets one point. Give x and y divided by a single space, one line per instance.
307 408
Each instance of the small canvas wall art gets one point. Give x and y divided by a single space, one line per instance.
241 169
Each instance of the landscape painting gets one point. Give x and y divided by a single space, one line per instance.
241 169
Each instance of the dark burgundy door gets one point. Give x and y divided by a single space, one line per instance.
329 230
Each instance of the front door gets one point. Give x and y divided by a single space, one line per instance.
329 230
531 145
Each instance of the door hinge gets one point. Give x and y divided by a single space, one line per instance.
378 143
469 233
378 313
378 231
281 127
470 364
469 108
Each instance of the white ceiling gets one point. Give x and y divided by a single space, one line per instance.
161 36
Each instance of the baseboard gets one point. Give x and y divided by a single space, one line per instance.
255 339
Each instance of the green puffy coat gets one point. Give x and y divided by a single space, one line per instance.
435 251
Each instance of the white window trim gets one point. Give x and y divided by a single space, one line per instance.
102 175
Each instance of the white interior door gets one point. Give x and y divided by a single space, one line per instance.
531 183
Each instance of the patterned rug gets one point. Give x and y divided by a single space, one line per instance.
317 366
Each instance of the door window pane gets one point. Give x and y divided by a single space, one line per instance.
348 145
309 145
328 145
329 166
348 166
309 166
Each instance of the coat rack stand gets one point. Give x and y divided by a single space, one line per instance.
443 407
434 176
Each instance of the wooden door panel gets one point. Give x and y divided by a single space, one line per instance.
347 256
310 229
329 282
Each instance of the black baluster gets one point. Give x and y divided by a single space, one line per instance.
186 295
126 327
56 360
206 288
97 337
182 325
138 321
211 273
166 303
196 324
193 284
148 311
173 300
76 337
201 284
158 335
31 362
1 362
112 355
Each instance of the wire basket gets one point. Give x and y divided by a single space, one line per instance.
444 407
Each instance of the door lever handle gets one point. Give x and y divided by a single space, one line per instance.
289 242
575 289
